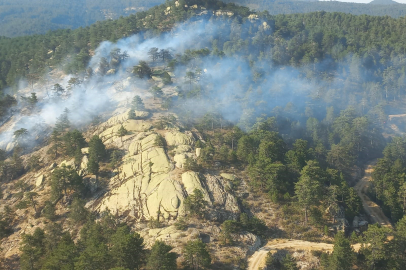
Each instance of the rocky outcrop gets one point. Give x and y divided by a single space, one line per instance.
177 138
226 204
147 182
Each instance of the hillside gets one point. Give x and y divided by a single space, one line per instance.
23 17
189 135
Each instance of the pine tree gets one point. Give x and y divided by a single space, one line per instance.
196 255
78 213
343 255
122 131
161 258
97 149
49 211
63 256
289 263
127 249
195 203
62 122
32 249
137 103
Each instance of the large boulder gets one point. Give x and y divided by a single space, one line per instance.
110 135
177 138
191 181
40 180
180 159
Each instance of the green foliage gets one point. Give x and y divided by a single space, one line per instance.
376 246
62 122
93 250
6 219
289 263
49 211
343 255
142 70
63 255
286 263
131 114
127 248
161 257
191 165
122 131
73 141
78 213
137 104
32 249
195 204
65 179
160 141
31 101
389 178
227 229
93 166
97 149
181 224
102 245
196 255
20 136
253 225
34 163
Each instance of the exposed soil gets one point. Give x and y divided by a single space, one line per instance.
372 209
257 260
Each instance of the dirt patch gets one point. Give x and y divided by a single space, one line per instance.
373 210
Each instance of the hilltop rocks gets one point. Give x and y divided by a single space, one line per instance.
178 138
110 135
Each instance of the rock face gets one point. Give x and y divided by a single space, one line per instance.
178 138
227 204
148 183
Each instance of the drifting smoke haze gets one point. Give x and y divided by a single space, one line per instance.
237 88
